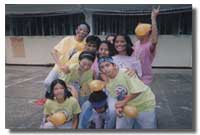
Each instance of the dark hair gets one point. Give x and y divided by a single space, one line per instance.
87 25
88 55
105 59
61 82
110 47
93 40
97 96
129 44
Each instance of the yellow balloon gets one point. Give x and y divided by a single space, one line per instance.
96 85
130 111
58 118
142 29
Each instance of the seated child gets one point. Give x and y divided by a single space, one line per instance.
99 109
99 105
61 100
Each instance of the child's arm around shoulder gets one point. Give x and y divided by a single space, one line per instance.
129 97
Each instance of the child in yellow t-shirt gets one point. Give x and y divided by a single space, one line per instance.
61 100
80 74
129 91
63 50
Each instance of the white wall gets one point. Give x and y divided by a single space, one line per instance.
173 51
37 50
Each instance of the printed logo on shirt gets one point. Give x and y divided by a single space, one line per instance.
121 92
119 64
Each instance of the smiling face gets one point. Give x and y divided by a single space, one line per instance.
108 68
58 91
85 64
81 32
103 50
120 44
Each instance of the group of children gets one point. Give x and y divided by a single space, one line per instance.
124 68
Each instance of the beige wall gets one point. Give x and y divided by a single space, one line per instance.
173 51
37 50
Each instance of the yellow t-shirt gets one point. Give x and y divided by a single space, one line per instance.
66 47
74 58
70 105
123 84
80 82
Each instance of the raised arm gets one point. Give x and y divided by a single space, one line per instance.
154 34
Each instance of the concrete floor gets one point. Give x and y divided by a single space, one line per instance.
173 88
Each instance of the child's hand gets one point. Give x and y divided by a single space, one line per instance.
48 125
130 72
155 12
119 111
64 69
48 118
103 77
73 90
61 68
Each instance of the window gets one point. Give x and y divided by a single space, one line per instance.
42 25
171 23
177 23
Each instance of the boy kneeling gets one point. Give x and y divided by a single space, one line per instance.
129 91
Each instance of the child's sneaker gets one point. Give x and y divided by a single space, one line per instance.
40 101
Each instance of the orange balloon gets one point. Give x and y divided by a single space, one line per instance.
96 85
58 118
142 29
130 111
